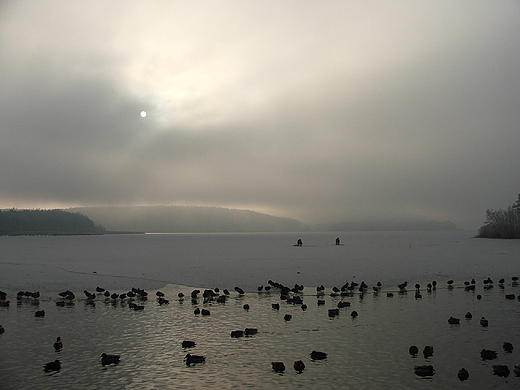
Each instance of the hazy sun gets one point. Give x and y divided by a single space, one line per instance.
143 114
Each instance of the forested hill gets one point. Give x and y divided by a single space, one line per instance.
32 222
188 219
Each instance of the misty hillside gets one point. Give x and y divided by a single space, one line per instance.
386 225
187 219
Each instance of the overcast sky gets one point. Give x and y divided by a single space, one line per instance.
316 110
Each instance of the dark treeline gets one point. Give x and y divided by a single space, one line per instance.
18 222
502 223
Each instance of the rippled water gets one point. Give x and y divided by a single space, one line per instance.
367 352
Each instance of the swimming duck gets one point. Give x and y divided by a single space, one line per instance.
188 344
275 306
508 347
463 374
487 354
424 370
468 315
2 330
58 344
205 312
109 359
193 359
278 366
427 351
40 313
52 366
162 301
484 322
413 350
287 317
299 366
237 333
317 355
501 370
250 331
239 290
246 306
354 314
453 321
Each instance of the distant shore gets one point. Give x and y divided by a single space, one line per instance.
58 233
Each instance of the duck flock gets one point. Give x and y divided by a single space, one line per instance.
136 298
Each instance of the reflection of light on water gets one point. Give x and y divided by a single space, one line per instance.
370 351
143 114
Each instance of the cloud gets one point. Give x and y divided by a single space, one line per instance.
327 111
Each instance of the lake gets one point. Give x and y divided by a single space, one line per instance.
366 352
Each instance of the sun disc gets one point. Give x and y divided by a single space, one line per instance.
143 114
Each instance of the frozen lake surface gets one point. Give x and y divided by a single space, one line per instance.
366 352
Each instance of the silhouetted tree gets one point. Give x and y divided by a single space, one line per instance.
502 223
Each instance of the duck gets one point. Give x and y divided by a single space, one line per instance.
52 366
250 331
428 351
188 344
354 314
424 370
275 306
239 290
193 359
501 370
468 315
58 344
205 312
484 322
287 317
487 354
453 321
413 350
2 329
246 306
278 366
40 313
317 355
508 347
299 366
237 333
109 359
463 374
